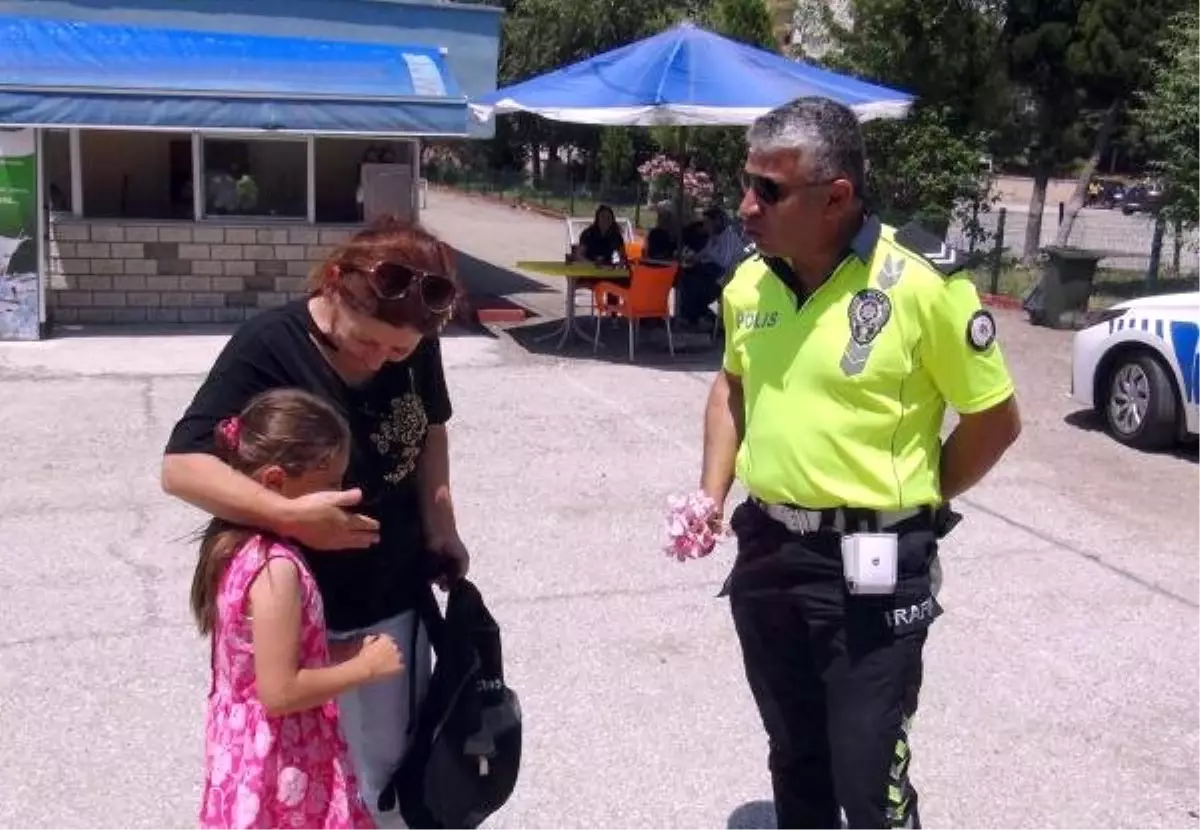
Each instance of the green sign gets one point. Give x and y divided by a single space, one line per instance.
20 282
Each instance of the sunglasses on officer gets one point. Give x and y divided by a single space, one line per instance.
770 192
391 281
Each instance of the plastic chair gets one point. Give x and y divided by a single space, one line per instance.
647 296
575 227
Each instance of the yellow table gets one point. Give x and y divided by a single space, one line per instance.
573 273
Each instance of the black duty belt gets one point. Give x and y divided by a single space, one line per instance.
841 519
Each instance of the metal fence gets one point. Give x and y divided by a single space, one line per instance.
1125 241
555 193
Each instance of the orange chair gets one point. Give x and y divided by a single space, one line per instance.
647 295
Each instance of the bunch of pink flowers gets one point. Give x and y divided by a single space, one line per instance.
661 172
698 186
692 527
657 167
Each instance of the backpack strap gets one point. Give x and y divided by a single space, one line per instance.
430 616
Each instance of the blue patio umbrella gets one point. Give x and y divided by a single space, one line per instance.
684 76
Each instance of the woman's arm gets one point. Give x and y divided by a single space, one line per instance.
319 521
437 508
433 467
207 482
276 615
433 483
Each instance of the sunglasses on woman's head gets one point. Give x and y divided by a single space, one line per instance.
393 281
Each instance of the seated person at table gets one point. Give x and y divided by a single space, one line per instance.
661 243
601 239
695 237
699 281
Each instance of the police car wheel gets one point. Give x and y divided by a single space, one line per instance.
1139 405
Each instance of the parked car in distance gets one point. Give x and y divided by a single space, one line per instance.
1137 366
1142 198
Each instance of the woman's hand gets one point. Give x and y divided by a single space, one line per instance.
455 560
320 521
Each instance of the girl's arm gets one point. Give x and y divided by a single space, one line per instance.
284 687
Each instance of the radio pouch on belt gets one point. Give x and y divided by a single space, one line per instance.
869 560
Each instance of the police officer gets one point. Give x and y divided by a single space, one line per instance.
845 340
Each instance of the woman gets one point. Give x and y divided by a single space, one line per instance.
602 239
366 341
661 242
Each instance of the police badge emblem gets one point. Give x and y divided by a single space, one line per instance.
981 330
869 311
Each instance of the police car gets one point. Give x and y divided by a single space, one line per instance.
1137 366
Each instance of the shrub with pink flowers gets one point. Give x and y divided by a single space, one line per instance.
661 173
698 187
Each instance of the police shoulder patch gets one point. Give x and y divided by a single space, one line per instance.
981 330
946 259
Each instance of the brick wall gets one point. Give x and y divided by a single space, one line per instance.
138 272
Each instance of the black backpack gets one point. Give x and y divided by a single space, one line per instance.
465 752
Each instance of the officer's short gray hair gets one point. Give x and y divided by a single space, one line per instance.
826 132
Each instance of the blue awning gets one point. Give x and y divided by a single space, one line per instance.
71 73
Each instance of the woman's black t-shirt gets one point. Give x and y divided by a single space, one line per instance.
389 417
599 246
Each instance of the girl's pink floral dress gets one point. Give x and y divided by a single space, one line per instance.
262 771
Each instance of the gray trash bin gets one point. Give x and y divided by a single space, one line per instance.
1060 298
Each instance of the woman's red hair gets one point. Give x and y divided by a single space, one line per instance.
389 239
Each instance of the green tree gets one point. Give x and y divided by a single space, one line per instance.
746 20
944 52
923 169
616 156
1038 35
1079 62
1115 38
1170 114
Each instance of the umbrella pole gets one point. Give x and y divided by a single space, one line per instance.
681 155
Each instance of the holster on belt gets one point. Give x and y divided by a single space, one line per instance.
945 519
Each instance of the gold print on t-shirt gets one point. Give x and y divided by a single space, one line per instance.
401 434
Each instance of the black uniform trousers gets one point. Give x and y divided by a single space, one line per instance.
835 677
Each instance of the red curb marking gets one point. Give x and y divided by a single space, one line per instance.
1001 301
489 308
488 316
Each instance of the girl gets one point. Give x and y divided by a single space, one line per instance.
275 756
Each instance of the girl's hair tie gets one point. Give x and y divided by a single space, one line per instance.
230 433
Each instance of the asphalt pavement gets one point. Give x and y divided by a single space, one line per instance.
1060 689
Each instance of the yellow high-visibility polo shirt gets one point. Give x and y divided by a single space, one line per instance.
845 391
